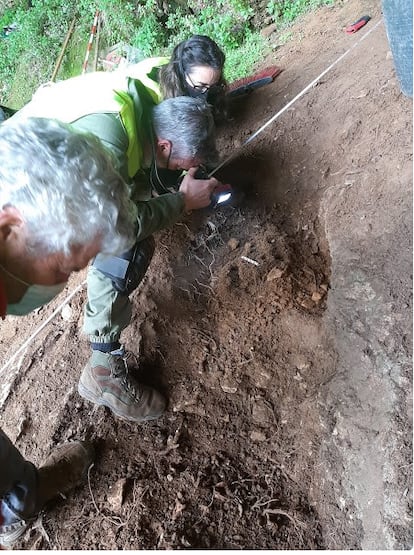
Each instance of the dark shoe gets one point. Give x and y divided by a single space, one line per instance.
105 381
10 533
64 469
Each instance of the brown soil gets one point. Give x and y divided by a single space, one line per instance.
288 381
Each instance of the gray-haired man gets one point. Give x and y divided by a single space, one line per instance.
144 135
57 211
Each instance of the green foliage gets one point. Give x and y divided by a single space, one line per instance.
241 61
150 35
151 27
6 18
119 20
30 52
227 21
288 10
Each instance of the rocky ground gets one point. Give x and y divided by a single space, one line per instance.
289 379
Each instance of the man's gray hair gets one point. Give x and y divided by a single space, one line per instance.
64 184
188 124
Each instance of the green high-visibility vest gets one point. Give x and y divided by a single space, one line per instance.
115 92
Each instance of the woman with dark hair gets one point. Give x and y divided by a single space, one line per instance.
196 69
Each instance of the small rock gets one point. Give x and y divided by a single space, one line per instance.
67 313
22 425
246 248
228 383
115 496
269 30
228 388
307 303
275 273
178 509
362 94
261 380
299 361
262 412
233 243
8 332
190 408
317 296
257 436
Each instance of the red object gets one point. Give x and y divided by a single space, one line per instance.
357 25
91 37
248 84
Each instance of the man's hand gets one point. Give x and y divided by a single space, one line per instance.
197 192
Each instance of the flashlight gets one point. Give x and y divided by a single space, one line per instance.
221 195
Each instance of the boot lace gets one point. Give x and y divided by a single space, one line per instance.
122 371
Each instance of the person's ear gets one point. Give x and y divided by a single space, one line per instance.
163 150
10 218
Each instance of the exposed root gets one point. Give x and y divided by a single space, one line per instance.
118 522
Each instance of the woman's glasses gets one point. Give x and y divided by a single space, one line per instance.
203 87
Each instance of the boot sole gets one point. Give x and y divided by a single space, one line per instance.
89 396
14 532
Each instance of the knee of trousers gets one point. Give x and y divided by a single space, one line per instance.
127 270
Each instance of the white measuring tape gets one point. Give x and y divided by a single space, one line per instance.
289 104
41 327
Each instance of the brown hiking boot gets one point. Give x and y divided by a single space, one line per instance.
105 381
64 469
